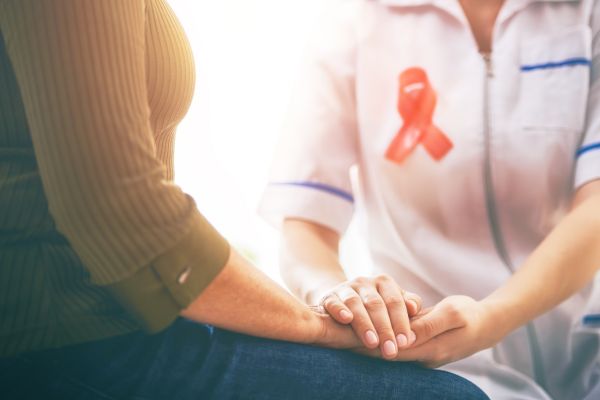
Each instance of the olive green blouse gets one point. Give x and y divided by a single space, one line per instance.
95 239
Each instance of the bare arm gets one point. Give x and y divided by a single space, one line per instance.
310 259
562 264
243 299
377 308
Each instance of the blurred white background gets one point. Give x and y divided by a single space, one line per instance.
247 56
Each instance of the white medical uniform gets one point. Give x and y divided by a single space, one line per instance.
526 132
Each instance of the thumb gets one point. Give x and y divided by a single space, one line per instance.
338 336
439 320
414 303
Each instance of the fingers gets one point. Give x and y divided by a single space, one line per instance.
378 310
378 313
414 303
447 332
337 309
336 335
397 311
361 322
421 354
436 352
442 318
422 313
432 354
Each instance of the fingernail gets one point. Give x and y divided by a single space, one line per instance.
345 314
389 348
414 304
411 337
371 338
402 340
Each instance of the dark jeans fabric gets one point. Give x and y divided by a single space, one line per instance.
194 361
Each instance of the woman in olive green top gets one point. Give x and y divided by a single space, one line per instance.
98 248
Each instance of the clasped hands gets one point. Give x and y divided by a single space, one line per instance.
389 322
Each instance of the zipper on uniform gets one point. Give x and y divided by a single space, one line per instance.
492 213
490 198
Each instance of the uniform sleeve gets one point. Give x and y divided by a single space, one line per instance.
588 156
80 66
310 176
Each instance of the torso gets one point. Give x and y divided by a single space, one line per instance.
32 251
516 128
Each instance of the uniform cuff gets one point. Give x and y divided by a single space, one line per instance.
156 294
317 203
588 167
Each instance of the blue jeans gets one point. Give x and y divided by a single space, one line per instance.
195 361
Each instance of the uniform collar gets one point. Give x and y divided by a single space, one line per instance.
453 6
413 3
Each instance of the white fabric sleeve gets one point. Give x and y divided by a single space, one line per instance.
310 177
588 156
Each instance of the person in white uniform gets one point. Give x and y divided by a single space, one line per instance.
475 129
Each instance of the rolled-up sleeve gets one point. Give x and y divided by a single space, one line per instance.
80 66
588 155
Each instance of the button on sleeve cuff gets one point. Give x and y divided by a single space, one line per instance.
156 294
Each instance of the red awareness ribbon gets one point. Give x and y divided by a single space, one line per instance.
416 104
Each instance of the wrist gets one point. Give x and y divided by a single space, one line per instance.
501 317
313 320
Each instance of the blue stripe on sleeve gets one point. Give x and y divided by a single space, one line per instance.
588 148
558 64
320 186
592 319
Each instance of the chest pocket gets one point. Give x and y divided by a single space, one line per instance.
554 80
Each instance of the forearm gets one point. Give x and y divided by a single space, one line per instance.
243 299
563 264
310 259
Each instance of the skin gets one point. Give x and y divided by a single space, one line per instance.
376 308
482 18
242 299
458 326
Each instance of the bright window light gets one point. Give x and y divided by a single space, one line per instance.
247 56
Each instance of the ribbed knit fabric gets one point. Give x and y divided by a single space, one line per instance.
91 92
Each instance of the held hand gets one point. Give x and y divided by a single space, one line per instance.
455 328
378 310
333 334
